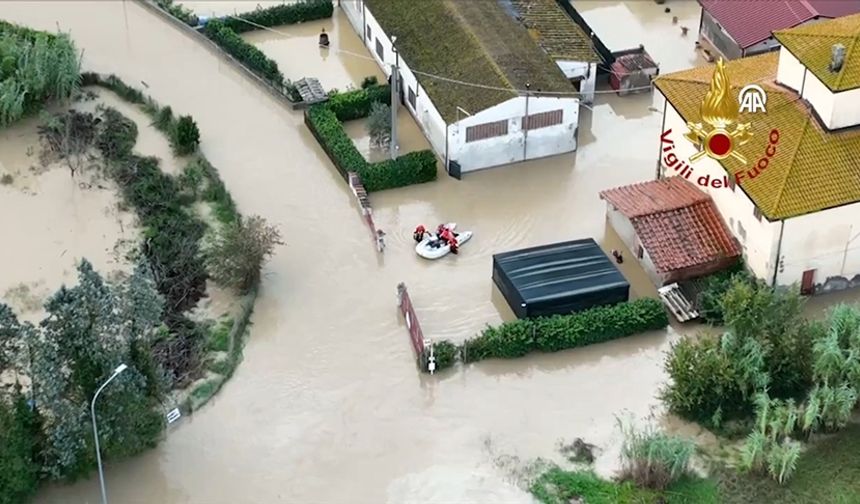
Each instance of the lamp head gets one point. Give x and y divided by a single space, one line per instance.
119 369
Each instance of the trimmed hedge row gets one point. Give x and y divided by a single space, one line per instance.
299 12
559 332
356 104
217 31
324 121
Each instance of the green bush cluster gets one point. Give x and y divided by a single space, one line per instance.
178 11
768 344
35 67
713 287
357 104
245 53
559 332
288 13
324 120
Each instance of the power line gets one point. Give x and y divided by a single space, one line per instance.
448 79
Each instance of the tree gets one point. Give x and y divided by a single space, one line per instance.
19 468
185 137
235 258
379 125
90 329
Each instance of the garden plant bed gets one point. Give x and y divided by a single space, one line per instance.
326 124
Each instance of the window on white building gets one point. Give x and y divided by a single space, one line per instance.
487 130
742 232
369 33
379 50
412 98
543 119
757 214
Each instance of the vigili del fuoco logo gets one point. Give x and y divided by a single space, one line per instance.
720 134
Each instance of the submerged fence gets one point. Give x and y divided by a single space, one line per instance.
364 204
423 348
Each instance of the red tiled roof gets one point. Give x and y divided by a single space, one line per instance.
678 224
751 21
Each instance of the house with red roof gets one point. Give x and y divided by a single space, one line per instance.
673 228
735 29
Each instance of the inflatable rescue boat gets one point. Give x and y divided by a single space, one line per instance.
431 247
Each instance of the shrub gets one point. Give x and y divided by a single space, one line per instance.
358 104
117 135
180 12
713 287
550 334
379 125
705 384
769 448
288 13
7 179
369 81
245 53
445 353
163 120
651 458
235 258
184 136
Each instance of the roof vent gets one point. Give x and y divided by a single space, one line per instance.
837 57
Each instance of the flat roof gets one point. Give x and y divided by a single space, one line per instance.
559 270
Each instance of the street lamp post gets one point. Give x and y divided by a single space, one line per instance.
116 372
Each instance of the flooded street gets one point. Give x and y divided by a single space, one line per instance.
327 406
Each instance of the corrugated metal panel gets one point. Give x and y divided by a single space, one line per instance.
486 130
558 278
542 119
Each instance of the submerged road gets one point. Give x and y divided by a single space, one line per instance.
327 405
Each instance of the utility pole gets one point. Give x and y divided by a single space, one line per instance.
526 124
395 96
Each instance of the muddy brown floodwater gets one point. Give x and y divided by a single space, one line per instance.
327 406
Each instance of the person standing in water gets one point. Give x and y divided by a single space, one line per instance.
324 42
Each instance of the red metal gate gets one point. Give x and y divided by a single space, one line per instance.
408 312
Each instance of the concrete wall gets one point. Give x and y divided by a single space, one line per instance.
836 110
516 145
757 237
828 242
424 111
586 73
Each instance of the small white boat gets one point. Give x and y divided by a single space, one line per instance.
430 248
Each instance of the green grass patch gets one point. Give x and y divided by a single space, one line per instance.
827 473
557 486
219 336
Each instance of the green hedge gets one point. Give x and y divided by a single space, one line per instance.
559 332
356 104
299 12
324 120
247 54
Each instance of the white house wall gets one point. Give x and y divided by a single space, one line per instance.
353 11
836 110
514 147
758 238
623 227
586 72
424 112
828 242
